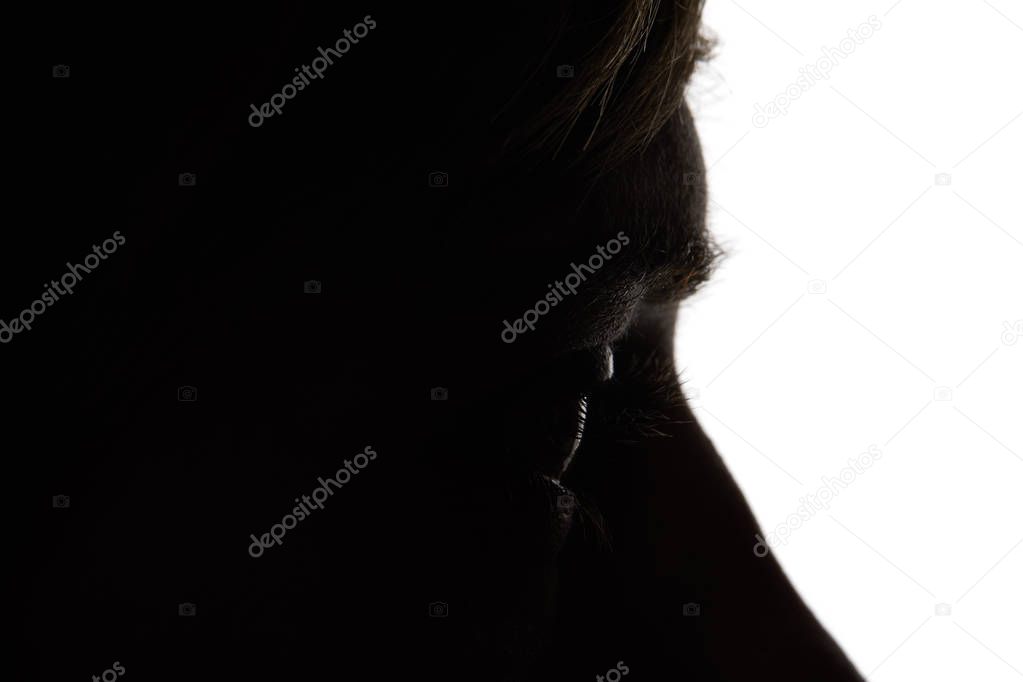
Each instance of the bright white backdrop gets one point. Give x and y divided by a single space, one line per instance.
872 296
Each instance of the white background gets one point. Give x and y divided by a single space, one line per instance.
922 291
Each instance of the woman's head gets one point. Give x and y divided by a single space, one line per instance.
443 178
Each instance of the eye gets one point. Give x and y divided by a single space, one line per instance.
545 420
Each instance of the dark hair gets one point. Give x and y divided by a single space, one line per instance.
629 83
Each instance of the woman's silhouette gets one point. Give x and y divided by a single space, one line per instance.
554 511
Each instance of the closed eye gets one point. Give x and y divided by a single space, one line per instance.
546 417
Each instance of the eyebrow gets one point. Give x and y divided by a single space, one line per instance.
660 197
